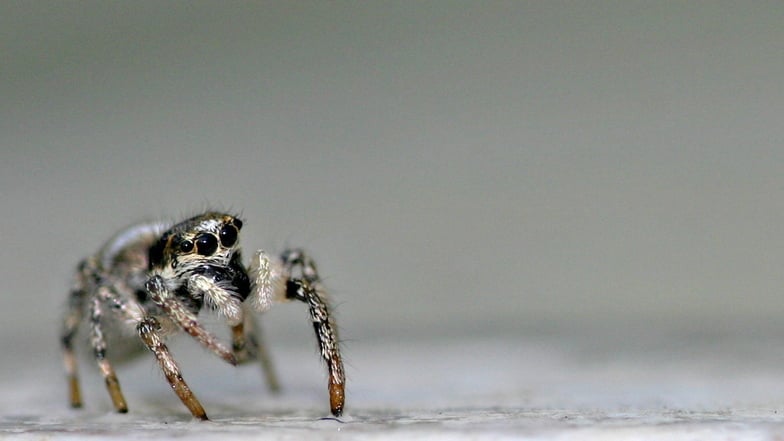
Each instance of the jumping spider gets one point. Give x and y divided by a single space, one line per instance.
153 279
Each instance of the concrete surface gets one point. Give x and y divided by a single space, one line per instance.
569 386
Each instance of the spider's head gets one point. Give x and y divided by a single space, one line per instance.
208 239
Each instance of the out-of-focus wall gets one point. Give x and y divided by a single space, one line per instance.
454 166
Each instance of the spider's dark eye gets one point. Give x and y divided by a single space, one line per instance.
206 244
186 246
228 235
238 223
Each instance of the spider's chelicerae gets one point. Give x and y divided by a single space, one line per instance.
153 279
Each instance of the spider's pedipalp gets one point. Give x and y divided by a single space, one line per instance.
267 281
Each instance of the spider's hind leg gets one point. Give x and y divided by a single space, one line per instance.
71 321
98 342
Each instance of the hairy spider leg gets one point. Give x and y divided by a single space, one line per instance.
98 343
308 290
71 321
327 339
298 258
148 331
88 281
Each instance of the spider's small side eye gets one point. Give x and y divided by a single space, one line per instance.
186 246
228 235
206 244
237 223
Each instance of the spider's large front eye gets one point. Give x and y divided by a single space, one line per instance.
206 244
228 235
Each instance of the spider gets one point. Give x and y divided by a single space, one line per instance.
151 280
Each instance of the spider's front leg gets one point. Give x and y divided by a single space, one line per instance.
185 319
327 338
148 330
273 283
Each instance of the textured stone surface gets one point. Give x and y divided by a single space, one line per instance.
547 387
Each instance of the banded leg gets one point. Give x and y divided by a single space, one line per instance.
98 343
308 290
296 257
70 326
148 331
71 321
272 283
326 336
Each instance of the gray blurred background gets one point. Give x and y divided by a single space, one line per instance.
457 168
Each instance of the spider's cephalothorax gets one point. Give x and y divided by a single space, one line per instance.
155 279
